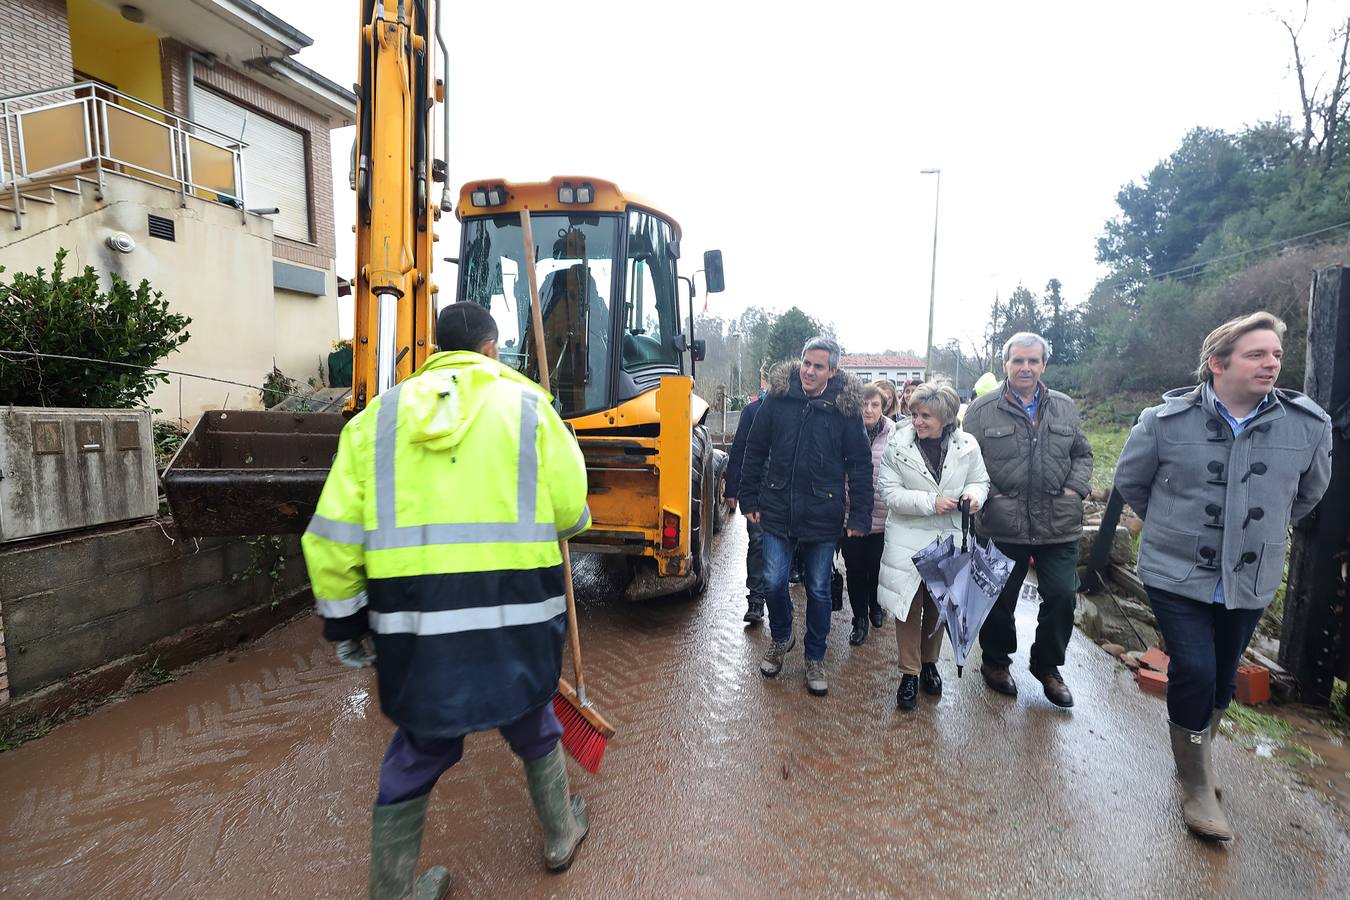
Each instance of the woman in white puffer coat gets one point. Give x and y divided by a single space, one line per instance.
928 466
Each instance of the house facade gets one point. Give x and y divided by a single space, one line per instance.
178 141
896 367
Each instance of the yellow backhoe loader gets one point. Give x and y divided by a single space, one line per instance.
622 352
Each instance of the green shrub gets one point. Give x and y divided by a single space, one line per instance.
75 317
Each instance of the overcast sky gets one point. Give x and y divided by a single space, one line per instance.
791 137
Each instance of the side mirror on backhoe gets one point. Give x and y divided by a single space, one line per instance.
700 349
712 271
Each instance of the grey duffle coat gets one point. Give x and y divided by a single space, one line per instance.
1215 507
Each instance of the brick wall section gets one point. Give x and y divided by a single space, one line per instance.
35 38
76 602
255 94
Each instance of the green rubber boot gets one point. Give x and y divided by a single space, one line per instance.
395 842
562 815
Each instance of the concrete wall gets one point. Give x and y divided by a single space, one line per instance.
218 270
79 602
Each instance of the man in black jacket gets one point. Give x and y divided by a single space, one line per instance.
754 550
806 439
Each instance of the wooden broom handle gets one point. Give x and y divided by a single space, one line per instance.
537 318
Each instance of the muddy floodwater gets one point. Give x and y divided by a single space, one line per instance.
252 776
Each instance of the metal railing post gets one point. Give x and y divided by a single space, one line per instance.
13 162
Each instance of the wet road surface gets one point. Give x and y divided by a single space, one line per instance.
252 777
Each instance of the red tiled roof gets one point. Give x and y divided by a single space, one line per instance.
880 361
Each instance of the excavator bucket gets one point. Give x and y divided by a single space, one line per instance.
251 472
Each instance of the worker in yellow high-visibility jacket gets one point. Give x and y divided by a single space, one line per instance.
437 533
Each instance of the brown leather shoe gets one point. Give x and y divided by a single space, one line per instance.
1056 691
999 679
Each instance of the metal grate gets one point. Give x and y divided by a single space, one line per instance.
161 228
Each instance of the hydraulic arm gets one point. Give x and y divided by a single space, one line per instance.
393 169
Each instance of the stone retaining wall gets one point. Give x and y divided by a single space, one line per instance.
76 602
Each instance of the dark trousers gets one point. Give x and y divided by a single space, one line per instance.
754 562
1057 576
862 569
1205 642
413 764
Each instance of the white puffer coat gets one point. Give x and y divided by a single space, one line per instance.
911 493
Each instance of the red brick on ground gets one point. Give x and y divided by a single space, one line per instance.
1155 659
1153 682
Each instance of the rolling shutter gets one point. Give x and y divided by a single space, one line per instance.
275 173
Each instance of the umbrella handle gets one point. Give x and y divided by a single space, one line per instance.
965 524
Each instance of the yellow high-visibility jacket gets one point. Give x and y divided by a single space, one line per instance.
438 531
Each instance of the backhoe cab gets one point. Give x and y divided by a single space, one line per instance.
621 356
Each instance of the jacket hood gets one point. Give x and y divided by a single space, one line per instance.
1178 399
843 390
985 383
440 401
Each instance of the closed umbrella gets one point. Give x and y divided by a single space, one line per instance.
965 585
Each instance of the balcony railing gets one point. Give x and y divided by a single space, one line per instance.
89 128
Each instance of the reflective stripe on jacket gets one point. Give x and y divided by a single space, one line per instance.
438 530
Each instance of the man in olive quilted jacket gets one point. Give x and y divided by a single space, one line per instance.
1039 466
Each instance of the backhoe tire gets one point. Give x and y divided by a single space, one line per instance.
720 512
702 494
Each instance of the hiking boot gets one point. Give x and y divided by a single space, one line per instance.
1056 691
395 842
1200 808
754 612
878 617
816 682
908 694
772 663
859 633
998 679
930 680
562 815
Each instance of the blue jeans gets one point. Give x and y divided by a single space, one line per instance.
413 764
1205 642
817 567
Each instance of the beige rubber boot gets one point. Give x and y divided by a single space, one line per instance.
1199 806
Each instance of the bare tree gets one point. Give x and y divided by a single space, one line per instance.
1307 102
1334 112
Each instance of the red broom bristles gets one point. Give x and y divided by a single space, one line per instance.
585 731
582 740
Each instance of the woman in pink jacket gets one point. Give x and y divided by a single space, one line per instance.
862 555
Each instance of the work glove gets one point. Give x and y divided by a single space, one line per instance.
354 654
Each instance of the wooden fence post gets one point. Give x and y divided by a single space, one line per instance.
1315 633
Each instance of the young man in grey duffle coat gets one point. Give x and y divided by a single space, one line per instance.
1218 472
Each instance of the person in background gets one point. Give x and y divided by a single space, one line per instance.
929 466
862 555
1218 472
1040 465
807 440
754 550
910 387
437 531
890 407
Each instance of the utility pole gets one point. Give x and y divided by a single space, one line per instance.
932 282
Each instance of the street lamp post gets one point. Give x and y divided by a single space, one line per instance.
932 282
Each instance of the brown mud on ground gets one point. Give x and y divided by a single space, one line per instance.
253 778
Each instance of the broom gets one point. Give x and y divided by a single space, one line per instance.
585 731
